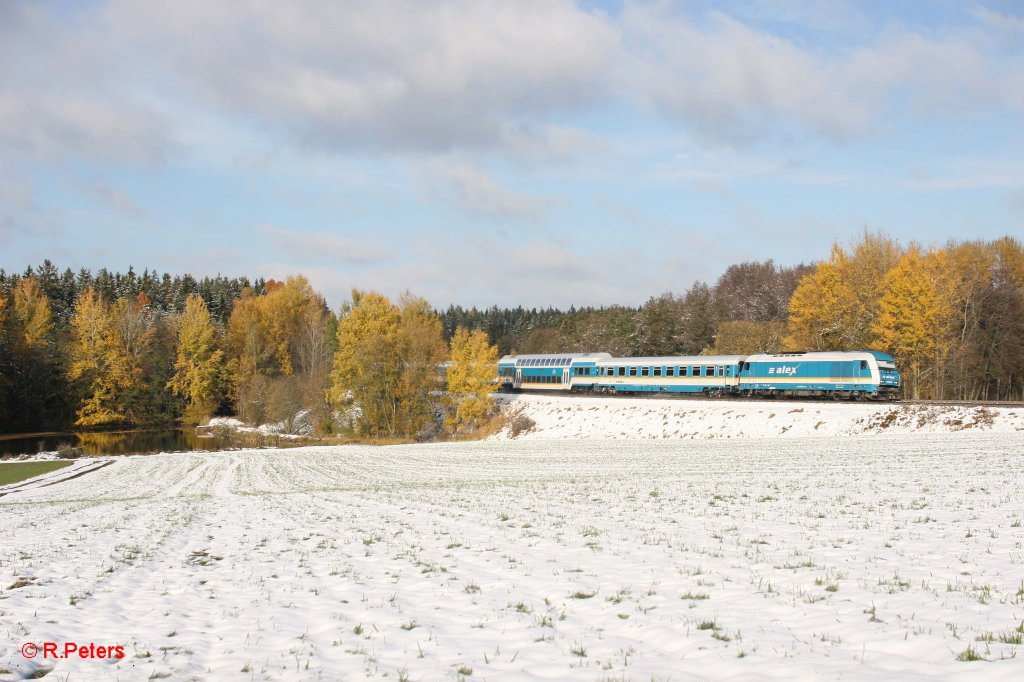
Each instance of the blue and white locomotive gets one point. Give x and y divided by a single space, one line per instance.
851 375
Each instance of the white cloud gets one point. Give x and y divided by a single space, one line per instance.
394 76
15 188
475 191
114 198
735 84
318 247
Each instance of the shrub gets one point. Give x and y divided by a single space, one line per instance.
519 425
68 451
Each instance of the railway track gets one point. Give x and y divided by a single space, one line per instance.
964 403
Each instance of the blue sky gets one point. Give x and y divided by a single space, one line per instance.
529 152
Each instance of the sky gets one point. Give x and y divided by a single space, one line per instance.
535 152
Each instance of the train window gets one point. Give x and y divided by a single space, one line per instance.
721 371
657 371
632 371
746 366
645 371
696 371
682 371
622 371
863 364
709 371
670 371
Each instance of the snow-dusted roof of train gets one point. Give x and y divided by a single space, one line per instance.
539 356
678 360
811 355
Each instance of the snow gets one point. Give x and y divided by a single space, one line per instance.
574 417
300 426
876 556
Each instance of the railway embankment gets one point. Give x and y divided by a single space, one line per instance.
531 416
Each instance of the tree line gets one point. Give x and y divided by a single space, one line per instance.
118 358
951 315
113 349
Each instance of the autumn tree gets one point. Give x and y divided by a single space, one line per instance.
97 364
815 320
32 310
29 359
836 307
916 319
419 383
369 363
385 372
267 342
198 367
5 381
471 375
987 360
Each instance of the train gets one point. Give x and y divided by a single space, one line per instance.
851 375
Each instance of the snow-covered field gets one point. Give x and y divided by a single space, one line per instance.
564 416
867 557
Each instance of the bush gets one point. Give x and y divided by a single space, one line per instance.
519 425
69 451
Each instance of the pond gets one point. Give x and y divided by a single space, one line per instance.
113 442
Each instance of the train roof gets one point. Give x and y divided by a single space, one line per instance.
834 355
510 359
677 360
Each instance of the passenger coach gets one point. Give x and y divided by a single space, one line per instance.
710 374
548 372
852 375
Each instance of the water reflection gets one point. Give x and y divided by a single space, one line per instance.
116 442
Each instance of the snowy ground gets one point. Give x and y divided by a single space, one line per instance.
870 557
564 416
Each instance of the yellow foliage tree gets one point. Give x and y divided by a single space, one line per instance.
419 383
198 368
917 318
32 310
815 320
384 373
368 363
97 363
837 306
471 376
263 339
4 380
